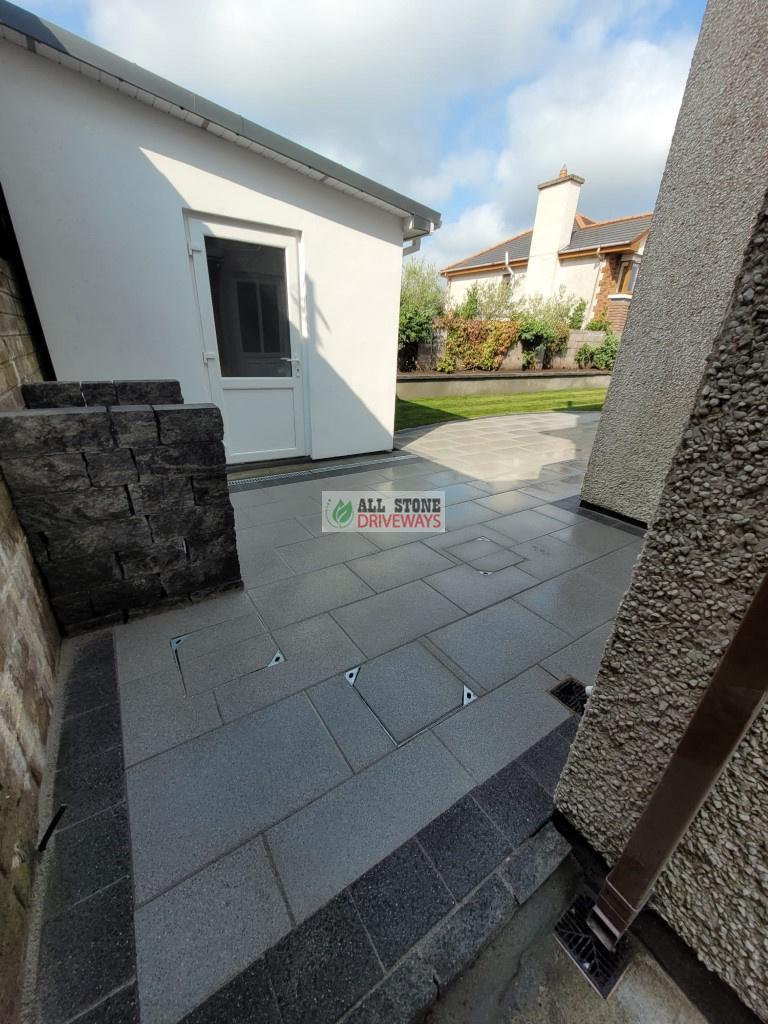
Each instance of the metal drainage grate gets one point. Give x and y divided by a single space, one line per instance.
601 968
572 693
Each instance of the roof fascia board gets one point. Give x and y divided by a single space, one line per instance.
482 269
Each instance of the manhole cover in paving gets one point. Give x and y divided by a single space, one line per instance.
572 693
601 967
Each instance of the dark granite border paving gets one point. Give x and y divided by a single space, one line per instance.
384 948
575 505
87 958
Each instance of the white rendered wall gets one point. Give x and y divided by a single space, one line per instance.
97 185
459 286
579 276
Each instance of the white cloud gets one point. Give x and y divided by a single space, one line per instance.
464 107
372 83
608 113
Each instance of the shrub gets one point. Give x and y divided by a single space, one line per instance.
422 298
576 319
475 344
601 357
600 322
584 354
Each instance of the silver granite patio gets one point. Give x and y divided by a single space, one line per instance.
258 792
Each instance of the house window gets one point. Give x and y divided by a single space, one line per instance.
628 276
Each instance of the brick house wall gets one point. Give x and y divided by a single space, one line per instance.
608 282
29 646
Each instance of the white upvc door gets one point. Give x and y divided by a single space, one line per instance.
248 289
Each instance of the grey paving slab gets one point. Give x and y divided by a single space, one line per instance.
447 477
313 524
277 511
523 526
409 689
260 566
545 760
454 493
271 535
386 541
468 588
582 658
555 489
410 467
499 643
353 726
143 646
314 650
388 569
193 938
329 549
473 549
312 593
467 534
594 537
500 726
575 602
561 514
515 802
547 556
238 659
418 483
533 862
242 519
506 502
498 560
247 499
388 620
157 714
466 513
213 638
615 569
200 800
363 820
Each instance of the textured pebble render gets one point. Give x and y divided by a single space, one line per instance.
702 562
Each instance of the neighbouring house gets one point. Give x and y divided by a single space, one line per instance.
594 260
166 237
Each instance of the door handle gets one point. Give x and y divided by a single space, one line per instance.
289 359
208 357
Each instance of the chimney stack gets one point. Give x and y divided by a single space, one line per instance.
552 230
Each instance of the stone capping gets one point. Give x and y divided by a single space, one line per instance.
126 507
57 394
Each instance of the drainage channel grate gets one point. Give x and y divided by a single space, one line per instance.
600 967
317 471
572 693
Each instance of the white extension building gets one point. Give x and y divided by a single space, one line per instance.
166 237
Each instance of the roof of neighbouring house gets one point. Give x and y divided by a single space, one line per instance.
587 235
57 44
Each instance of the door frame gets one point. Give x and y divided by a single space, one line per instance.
195 222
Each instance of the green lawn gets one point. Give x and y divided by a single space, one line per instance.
417 412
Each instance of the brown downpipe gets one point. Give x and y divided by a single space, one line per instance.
729 706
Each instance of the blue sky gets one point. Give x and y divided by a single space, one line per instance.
465 107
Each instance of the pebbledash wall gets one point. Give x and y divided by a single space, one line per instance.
122 491
709 196
701 565
29 646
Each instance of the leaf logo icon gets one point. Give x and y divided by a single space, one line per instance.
342 514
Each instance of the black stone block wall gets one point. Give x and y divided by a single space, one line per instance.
58 394
126 507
